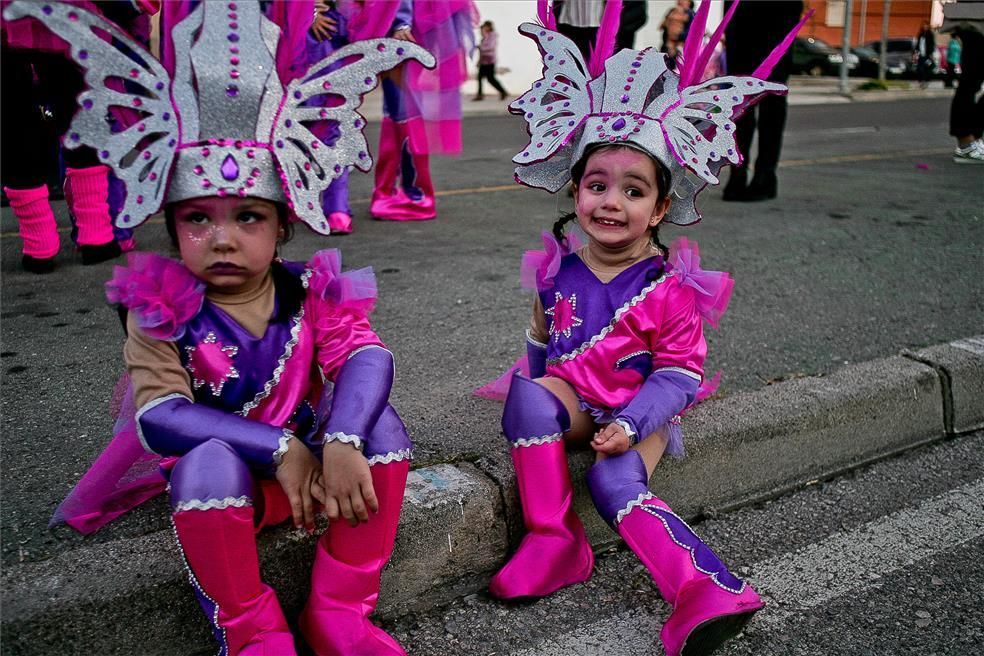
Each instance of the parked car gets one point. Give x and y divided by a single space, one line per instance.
868 64
815 57
898 56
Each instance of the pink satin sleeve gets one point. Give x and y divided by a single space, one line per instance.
338 331
679 342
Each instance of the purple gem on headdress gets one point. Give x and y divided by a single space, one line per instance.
315 145
205 152
139 200
249 182
72 16
234 60
87 103
749 83
713 155
126 218
323 113
159 86
598 128
250 153
297 183
153 176
542 33
74 136
234 25
255 173
362 154
229 168
627 87
310 205
297 95
550 57
206 184
221 193
636 64
146 154
232 91
357 123
288 123
137 102
529 115
83 54
570 124
198 170
171 143
630 79
234 74
727 126
326 85
166 116
241 192
232 6
624 98
368 80
234 50
734 98
567 104
233 37
549 38
280 143
104 154
717 97
731 151
400 51
562 62
233 15
337 168
307 166
381 47
46 9
134 72
619 124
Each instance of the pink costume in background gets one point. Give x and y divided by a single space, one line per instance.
632 349
421 107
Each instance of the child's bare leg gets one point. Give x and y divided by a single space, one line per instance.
709 603
538 417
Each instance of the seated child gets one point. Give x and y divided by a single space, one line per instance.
616 347
259 382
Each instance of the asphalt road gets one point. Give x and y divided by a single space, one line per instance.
886 561
875 244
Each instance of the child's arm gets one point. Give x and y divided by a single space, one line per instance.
678 360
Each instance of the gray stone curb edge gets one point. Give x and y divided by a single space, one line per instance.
460 520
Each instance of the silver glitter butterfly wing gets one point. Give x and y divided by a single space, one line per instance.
554 108
318 133
700 128
119 75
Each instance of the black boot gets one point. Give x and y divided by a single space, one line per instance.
100 253
764 186
38 265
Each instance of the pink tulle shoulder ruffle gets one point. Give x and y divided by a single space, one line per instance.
351 290
539 267
161 292
713 287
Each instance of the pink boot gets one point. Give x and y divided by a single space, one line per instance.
403 190
710 604
340 223
554 552
38 230
219 547
345 577
87 194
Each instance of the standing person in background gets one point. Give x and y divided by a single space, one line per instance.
631 20
748 36
966 114
486 61
421 108
952 61
925 47
36 74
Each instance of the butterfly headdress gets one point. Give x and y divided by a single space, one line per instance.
637 100
223 124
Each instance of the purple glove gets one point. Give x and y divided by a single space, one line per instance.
174 425
361 393
664 395
536 356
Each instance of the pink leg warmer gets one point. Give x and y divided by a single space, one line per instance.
87 193
35 220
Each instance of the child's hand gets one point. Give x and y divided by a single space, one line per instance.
322 27
611 440
348 484
298 474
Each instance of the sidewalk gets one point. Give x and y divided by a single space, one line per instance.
803 90
458 522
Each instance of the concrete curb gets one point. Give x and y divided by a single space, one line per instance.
129 595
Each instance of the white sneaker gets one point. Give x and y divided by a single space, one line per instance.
972 153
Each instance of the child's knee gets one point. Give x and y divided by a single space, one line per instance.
617 481
211 471
533 411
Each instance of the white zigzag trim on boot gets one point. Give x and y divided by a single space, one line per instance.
632 504
536 441
392 456
213 504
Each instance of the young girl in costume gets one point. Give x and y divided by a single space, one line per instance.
616 347
246 370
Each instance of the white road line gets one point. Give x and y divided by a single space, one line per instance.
845 562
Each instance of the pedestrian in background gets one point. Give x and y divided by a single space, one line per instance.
749 37
925 49
966 113
486 61
952 61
